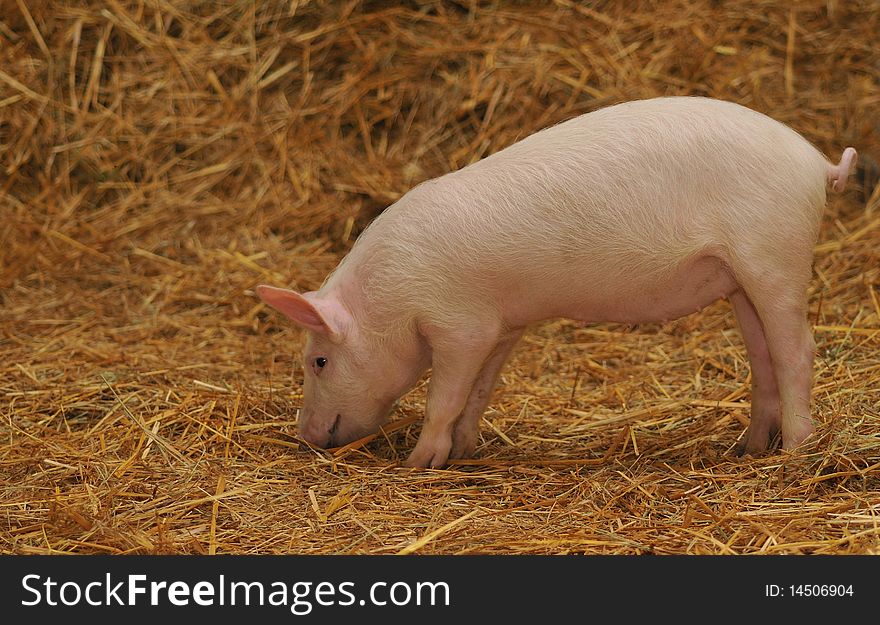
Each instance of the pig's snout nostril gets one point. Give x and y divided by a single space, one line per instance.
332 430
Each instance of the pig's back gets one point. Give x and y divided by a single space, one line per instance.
629 190
666 157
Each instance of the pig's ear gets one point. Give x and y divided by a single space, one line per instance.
325 317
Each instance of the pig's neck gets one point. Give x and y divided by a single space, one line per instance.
349 284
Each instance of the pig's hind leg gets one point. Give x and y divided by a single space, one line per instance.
467 428
780 300
765 417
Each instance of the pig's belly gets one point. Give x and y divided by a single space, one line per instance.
645 299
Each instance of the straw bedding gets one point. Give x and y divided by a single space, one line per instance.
159 159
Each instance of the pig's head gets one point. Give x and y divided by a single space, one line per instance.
350 379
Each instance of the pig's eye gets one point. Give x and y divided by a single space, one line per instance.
318 363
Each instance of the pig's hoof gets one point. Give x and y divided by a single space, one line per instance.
463 447
414 462
422 462
751 446
795 435
759 437
428 456
744 449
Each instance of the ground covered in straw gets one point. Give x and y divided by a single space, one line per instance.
159 159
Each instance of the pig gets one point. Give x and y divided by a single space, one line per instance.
645 211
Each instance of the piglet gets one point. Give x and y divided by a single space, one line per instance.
644 211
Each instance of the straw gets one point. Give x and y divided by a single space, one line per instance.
158 160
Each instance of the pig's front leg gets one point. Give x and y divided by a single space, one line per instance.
467 428
456 361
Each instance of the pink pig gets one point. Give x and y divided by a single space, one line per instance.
641 212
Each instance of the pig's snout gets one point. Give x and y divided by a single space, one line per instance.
319 432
